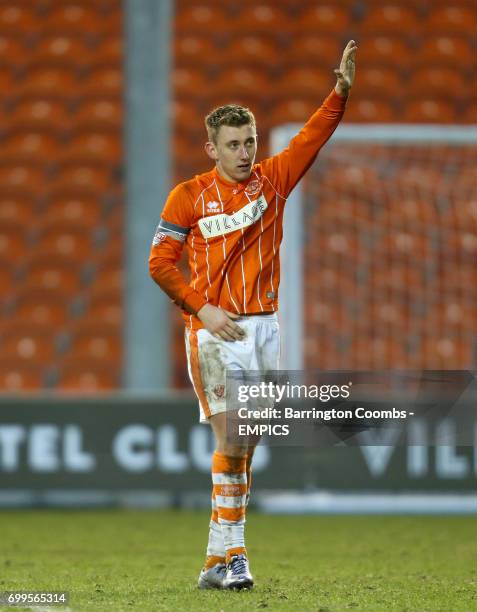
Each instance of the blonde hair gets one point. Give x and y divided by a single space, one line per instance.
230 114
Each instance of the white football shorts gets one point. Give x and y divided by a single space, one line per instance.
209 358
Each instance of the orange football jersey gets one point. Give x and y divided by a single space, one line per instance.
233 231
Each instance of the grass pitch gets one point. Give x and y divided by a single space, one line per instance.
149 561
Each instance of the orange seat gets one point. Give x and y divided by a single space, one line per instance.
17 18
22 180
191 48
326 19
385 51
66 241
81 212
7 79
237 84
201 19
427 110
290 111
451 19
312 49
29 342
189 82
434 80
447 353
109 50
99 114
390 19
46 274
251 50
16 375
16 211
6 278
41 307
453 51
378 81
62 50
81 178
29 146
303 81
370 110
106 310
96 341
13 52
260 17
13 243
74 18
102 81
39 113
88 376
90 146
45 81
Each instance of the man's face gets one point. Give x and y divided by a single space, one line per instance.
234 151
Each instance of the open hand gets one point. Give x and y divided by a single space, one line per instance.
345 73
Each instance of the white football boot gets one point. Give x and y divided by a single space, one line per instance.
238 574
213 577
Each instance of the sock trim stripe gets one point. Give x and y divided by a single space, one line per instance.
231 501
221 478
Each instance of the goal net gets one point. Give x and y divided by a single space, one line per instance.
380 251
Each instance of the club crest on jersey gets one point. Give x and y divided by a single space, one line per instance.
213 206
253 187
221 224
158 238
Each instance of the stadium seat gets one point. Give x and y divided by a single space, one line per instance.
67 241
62 50
6 278
81 179
451 19
17 18
13 243
16 375
290 111
260 18
88 376
201 19
239 83
16 210
99 114
378 81
325 19
442 51
447 353
390 19
90 146
189 82
80 211
106 307
45 81
74 18
302 81
251 50
310 49
189 49
42 273
428 110
27 146
96 341
29 343
7 79
102 81
370 110
22 180
41 307
13 52
39 113
385 51
434 80
109 50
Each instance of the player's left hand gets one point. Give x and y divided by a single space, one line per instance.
345 73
